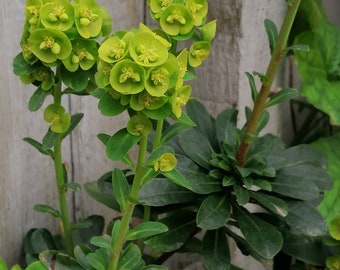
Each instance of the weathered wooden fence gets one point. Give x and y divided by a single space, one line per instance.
26 177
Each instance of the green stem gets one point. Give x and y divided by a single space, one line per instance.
128 210
260 103
59 172
158 135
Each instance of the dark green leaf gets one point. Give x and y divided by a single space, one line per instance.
50 139
176 177
214 212
130 257
160 191
181 226
41 239
120 144
75 120
272 203
199 114
196 146
146 229
154 267
252 84
263 237
186 120
226 125
172 131
105 198
121 188
37 99
160 113
80 253
109 106
76 80
216 250
43 208
200 182
272 33
304 219
295 187
85 229
104 138
37 145
281 96
100 241
242 194
20 65
307 249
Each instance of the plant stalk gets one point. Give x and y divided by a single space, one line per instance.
260 103
59 172
128 210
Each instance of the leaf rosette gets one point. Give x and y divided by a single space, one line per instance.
58 15
49 45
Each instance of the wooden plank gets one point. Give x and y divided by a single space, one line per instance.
26 175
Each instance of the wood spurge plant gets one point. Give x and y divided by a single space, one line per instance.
197 182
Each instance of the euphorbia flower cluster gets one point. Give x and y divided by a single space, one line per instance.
61 35
144 71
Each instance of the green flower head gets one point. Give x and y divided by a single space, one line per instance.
147 50
158 6
56 116
176 20
144 100
179 99
182 59
88 18
58 15
49 45
84 55
198 10
138 125
102 75
32 12
44 75
333 262
334 228
26 48
198 52
127 77
161 78
114 49
165 163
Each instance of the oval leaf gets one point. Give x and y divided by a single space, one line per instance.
214 212
120 144
263 237
146 229
109 106
121 188
273 204
281 96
